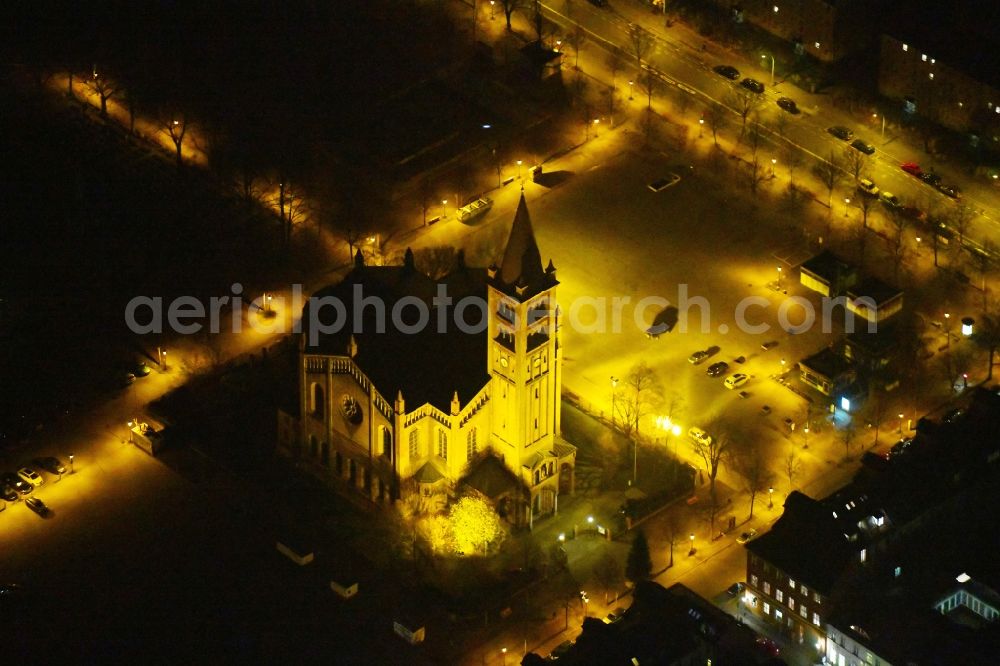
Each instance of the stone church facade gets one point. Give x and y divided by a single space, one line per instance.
419 410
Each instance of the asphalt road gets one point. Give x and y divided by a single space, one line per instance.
679 65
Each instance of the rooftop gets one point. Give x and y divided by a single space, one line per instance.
826 265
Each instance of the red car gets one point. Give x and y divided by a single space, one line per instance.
911 168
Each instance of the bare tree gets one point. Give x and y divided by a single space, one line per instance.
715 116
756 171
352 238
792 158
576 36
176 127
104 88
792 468
647 80
960 220
712 451
639 42
509 7
987 336
865 204
847 434
639 393
936 241
745 103
609 574
830 174
751 466
855 161
435 262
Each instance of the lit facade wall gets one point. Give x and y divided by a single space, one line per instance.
943 94
785 601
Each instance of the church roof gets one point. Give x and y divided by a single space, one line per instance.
427 365
521 265
492 478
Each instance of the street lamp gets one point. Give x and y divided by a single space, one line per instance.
947 329
691 539
71 463
503 651
847 202
444 208
900 424
779 276
630 84
772 66
875 115
492 8
701 127
774 163
519 169
770 497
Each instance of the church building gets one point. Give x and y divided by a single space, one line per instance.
396 404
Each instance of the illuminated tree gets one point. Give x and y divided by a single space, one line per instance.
104 88
475 524
608 573
509 7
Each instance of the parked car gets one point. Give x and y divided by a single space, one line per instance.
864 147
700 436
753 85
142 369
717 369
736 589
38 506
867 186
768 646
914 213
788 104
17 483
949 191
737 380
900 447
911 168
728 71
615 615
7 493
930 178
698 357
841 132
31 476
51 464
746 536
561 649
891 200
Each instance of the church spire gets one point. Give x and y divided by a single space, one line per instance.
522 262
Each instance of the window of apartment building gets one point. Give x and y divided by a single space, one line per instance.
767 588
778 614
443 444
804 590
414 441
471 446
864 554
791 602
779 595
767 608
906 47
776 9
923 56
791 583
753 580
803 612
816 597
816 619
